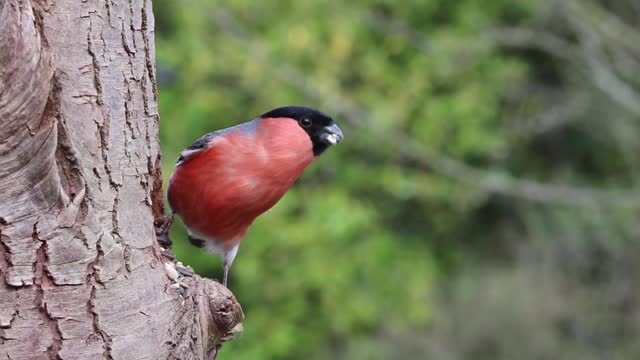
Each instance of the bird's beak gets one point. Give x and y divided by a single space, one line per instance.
331 134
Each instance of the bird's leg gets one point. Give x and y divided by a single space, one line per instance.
226 268
164 223
162 231
227 260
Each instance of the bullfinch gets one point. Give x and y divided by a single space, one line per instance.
227 178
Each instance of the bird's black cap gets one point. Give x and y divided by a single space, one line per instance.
320 127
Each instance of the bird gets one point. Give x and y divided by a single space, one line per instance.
227 178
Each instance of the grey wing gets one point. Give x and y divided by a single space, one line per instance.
205 142
198 146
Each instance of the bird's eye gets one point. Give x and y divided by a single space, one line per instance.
305 122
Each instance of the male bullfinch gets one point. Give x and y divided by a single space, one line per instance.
227 178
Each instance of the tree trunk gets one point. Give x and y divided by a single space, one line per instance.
81 275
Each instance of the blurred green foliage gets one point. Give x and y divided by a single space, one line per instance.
374 253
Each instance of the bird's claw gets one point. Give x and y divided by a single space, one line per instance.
163 224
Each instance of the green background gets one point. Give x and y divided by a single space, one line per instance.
484 204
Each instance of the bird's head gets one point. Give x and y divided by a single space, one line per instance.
320 128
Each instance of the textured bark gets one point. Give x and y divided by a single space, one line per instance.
80 272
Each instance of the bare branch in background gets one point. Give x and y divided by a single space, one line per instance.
554 116
593 17
530 38
593 46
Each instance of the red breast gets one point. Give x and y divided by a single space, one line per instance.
243 173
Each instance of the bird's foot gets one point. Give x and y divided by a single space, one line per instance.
163 223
